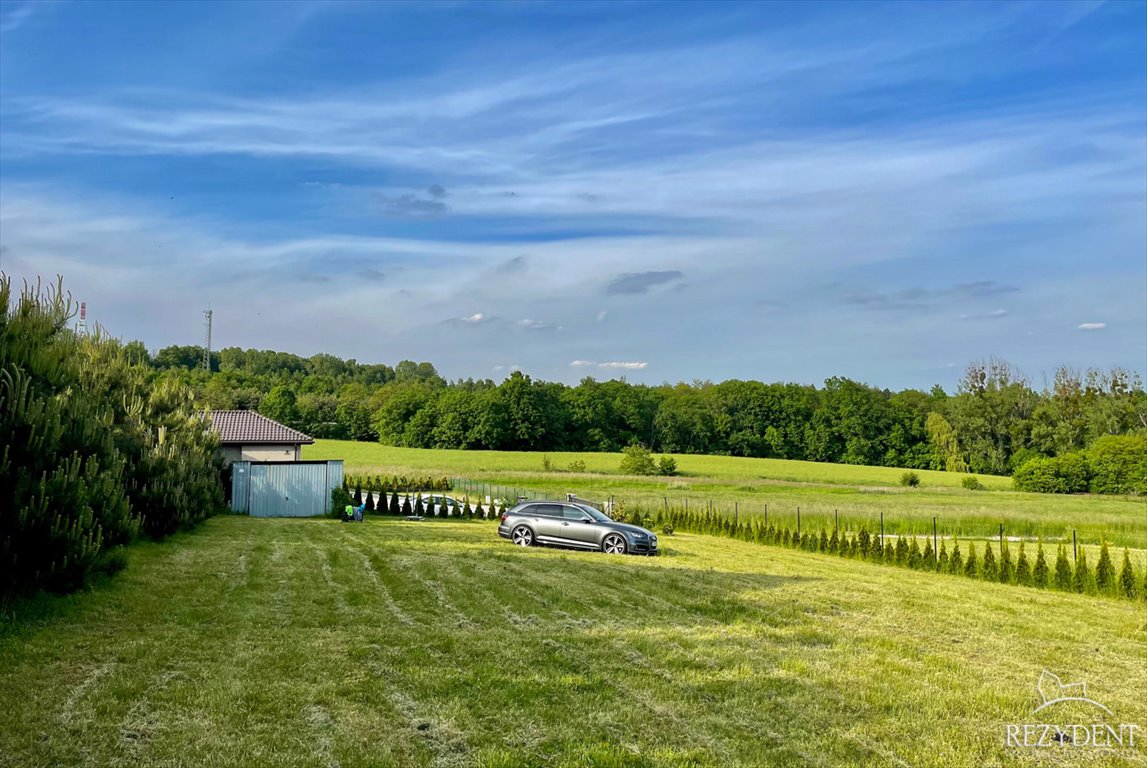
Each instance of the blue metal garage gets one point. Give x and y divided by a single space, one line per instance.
284 488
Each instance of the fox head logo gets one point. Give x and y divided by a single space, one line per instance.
1052 691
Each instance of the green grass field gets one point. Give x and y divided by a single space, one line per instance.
314 643
857 494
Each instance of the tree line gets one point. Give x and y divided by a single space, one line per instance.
994 422
94 448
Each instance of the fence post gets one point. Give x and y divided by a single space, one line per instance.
766 515
836 517
881 535
1001 538
798 523
1074 547
935 541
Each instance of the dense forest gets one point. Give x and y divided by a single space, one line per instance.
994 423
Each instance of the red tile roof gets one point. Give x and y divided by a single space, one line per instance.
248 427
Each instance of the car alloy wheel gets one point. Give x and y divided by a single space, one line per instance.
614 544
522 536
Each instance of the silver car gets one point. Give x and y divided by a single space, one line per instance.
566 524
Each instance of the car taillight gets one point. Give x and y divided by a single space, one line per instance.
504 516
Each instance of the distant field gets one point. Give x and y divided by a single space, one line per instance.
314 643
358 454
858 494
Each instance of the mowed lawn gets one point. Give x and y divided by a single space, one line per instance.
395 643
857 494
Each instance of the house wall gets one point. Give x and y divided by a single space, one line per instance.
259 452
270 453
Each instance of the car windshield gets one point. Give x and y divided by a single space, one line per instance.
596 514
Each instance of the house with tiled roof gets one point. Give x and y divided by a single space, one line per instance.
249 436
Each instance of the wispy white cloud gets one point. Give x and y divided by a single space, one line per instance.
610 366
15 15
1091 326
995 313
635 366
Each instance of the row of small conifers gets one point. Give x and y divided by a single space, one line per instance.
405 504
999 561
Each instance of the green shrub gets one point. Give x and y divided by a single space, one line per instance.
1040 572
988 569
910 479
667 466
339 501
1068 473
1126 576
971 567
577 466
1062 570
1118 464
636 460
1023 570
972 483
901 554
1104 570
1083 580
956 563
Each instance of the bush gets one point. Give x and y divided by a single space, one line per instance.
1127 576
339 501
1068 473
577 466
547 465
972 483
1104 570
1040 572
667 466
910 479
637 461
1118 464
1062 570
1083 580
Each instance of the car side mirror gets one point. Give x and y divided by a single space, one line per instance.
587 519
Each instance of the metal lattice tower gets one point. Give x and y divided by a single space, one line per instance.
82 325
207 340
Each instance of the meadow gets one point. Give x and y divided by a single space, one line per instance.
394 643
857 495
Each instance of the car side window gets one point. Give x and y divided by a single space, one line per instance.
573 513
549 510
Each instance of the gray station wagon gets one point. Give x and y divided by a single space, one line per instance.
566 524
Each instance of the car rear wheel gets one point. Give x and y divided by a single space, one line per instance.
522 536
613 544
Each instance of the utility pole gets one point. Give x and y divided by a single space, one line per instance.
207 340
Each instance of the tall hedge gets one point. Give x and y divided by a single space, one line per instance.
90 451
1119 464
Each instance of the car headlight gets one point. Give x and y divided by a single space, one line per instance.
637 535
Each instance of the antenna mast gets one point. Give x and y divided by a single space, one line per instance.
207 340
82 325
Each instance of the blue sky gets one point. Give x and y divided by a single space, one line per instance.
661 191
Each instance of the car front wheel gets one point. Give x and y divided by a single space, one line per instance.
613 544
522 536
